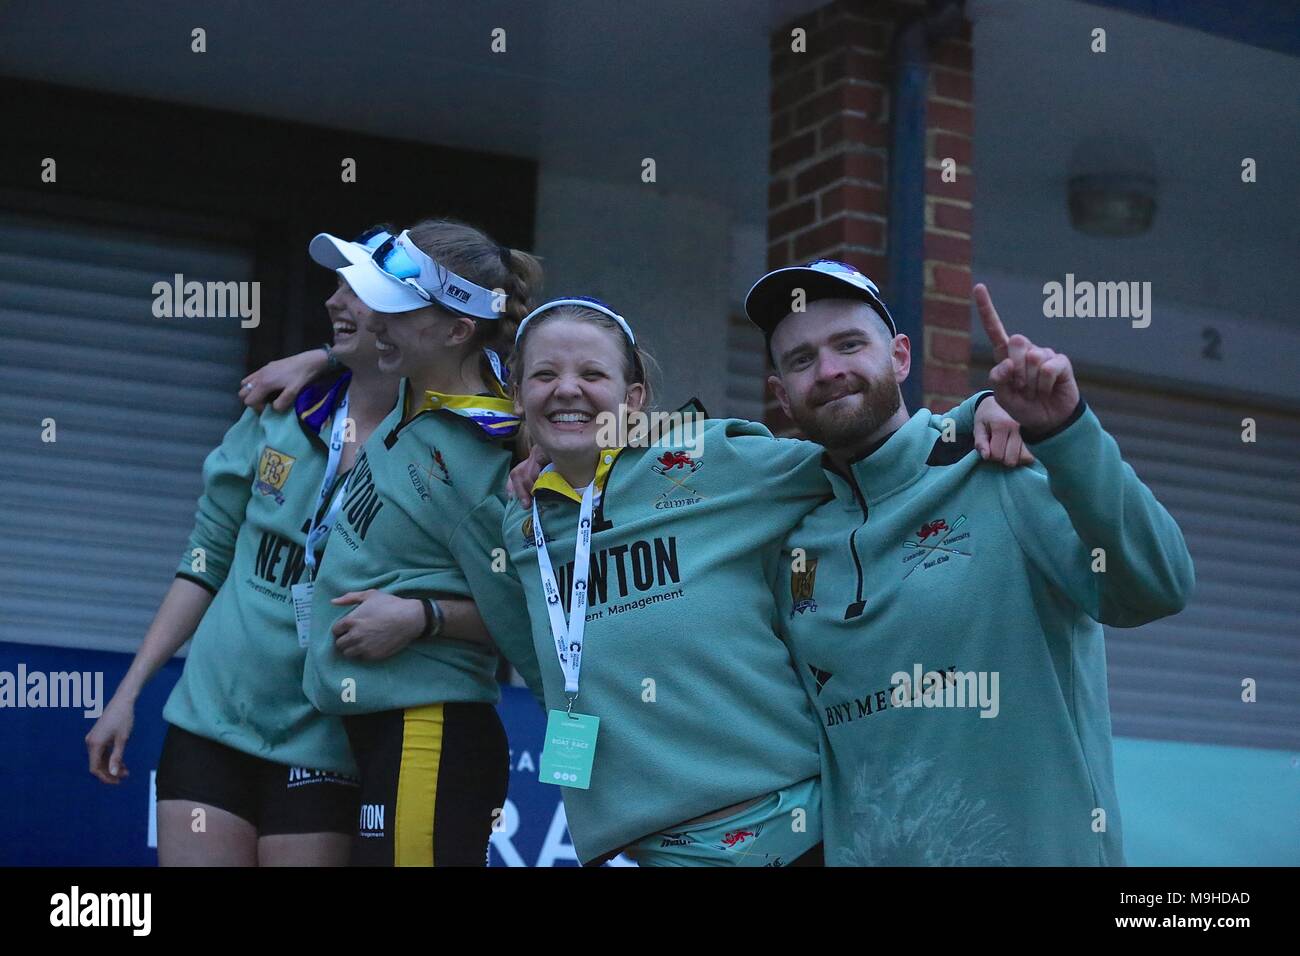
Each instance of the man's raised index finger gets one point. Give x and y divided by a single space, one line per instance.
989 317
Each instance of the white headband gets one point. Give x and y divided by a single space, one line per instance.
583 303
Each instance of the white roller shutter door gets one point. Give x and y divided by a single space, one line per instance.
1238 505
95 522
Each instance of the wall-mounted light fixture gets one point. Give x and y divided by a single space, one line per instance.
1112 204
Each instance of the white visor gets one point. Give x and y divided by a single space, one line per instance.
382 292
351 260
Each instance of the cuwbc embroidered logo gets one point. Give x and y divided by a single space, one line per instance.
435 469
438 467
676 466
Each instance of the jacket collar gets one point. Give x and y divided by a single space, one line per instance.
552 480
888 467
315 404
493 414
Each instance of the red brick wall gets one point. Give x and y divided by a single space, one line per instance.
829 165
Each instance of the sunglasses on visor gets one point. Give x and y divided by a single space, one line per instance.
373 237
399 259
394 261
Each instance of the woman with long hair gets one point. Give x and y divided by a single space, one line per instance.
251 773
411 544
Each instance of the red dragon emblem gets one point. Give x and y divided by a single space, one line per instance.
675 459
931 528
736 836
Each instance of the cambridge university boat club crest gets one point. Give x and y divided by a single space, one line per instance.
272 472
801 587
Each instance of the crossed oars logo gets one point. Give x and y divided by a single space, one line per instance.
937 546
682 485
670 460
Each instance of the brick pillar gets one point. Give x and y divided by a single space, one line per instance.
950 125
829 165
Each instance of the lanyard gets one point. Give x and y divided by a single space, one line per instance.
317 532
568 637
498 367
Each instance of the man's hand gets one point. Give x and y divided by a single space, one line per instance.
286 376
997 436
1035 385
524 475
381 625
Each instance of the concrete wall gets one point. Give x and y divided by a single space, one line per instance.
665 260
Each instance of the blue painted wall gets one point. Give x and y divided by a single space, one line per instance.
1188 804
1183 804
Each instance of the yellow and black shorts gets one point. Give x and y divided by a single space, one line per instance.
432 780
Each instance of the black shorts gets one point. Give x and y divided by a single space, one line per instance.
275 798
433 779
